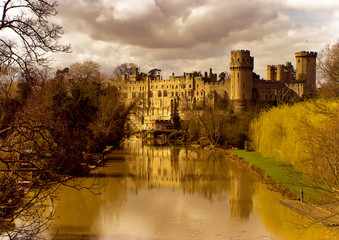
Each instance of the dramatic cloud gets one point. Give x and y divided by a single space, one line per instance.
189 35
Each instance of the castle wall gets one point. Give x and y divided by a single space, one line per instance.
155 98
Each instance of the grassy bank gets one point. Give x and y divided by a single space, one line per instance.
280 172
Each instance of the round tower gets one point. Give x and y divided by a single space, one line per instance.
241 68
306 69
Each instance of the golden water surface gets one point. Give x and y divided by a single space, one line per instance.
175 193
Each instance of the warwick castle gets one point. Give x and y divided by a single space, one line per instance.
157 98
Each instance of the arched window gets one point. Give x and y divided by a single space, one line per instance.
165 93
159 93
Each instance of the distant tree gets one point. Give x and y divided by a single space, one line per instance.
86 77
154 73
214 121
29 34
224 76
125 68
328 69
109 126
175 118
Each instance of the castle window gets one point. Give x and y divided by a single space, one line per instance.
134 95
243 96
238 59
176 86
140 88
189 86
197 85
238 76
243 59
197 93
243 85
172 94
165 93
159 93
150 94
172 86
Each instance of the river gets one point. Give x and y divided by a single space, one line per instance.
171 193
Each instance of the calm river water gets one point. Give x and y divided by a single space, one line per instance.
175 193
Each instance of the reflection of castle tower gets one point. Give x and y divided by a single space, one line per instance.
241 67
241 204
306 69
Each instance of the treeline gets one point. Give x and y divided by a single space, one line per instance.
220 124
57 120
52 125
305 135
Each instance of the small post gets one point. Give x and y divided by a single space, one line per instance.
301 194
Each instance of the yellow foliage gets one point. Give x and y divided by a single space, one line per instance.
304 135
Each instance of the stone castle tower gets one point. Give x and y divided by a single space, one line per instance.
306 69
241 68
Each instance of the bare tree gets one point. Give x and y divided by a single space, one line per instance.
125 68
224 76
328 69
29 34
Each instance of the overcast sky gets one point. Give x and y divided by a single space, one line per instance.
193 35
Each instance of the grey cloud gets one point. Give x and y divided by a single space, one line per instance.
178 36
159 27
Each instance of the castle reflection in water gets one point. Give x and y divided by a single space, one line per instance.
207 173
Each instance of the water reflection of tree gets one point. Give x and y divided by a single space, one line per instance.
82 210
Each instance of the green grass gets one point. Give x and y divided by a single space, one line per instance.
282 173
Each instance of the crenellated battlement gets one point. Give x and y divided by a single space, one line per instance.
306 54
241 59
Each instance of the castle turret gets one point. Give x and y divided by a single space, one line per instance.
306 69
271 75
281 73
241 68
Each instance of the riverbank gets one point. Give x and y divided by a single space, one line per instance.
267 170
277 173
288 181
